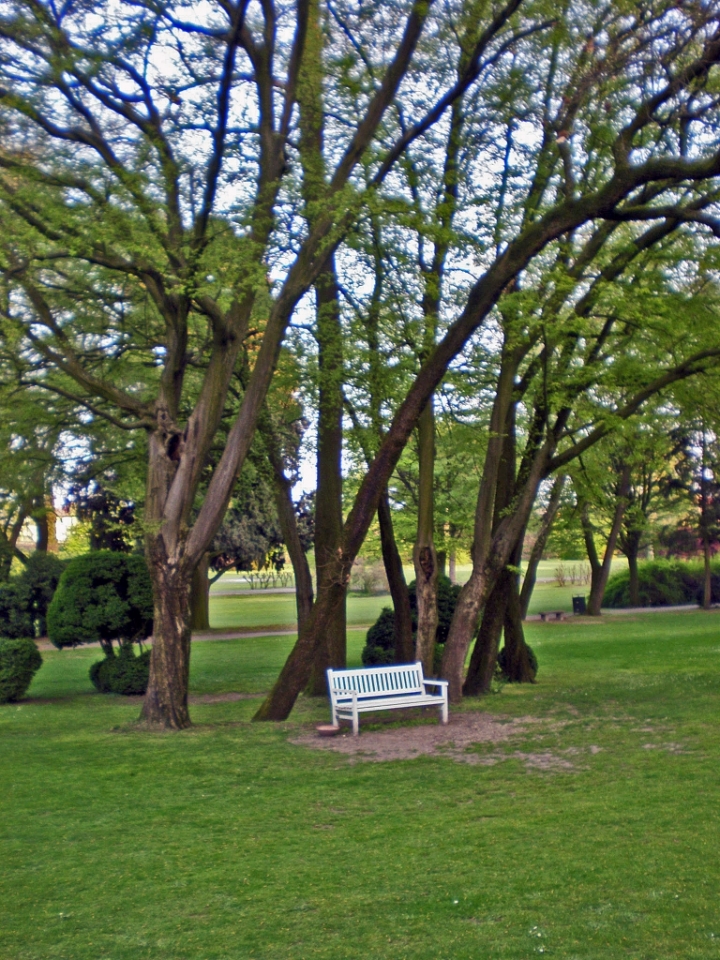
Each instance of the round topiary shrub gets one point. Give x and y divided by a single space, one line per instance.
502 660
102 597
19 661
125 673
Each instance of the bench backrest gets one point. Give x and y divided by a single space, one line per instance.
403 678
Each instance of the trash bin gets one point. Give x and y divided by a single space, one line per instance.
579 605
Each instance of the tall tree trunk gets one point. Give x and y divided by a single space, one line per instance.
707 578
452 565
490 552
424 553
601 572
705 523
200 595
588 531
539 546
42 525
484 655
404 645
632 550
332 652
518 667
166 700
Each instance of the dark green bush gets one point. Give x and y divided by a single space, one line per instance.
502 660
41 577
15 617
102 597
663 583
380 641
125 673
19 660
24 600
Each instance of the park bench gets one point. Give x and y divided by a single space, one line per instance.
552 615
395 687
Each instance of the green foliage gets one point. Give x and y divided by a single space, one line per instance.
502 661
19 660
663 583
101 597
41 577
15 619
380 642
25 599
126 673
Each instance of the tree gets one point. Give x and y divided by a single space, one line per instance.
115 175
621 184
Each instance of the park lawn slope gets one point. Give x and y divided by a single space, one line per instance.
230 841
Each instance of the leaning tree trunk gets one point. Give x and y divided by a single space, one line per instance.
424 553
200 596
298 666
484 655
404 645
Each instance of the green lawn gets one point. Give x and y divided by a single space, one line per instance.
228 841
255 610
263 611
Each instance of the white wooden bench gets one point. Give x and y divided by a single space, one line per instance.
353 692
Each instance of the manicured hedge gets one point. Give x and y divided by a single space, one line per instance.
125 673
663 583
102 596
19 661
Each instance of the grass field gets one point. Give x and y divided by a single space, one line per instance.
229 841
255 610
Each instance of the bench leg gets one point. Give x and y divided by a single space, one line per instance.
355 721
444 712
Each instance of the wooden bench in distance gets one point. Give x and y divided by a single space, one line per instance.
394 687
553 614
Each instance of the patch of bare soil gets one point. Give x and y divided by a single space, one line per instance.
223 697
456 740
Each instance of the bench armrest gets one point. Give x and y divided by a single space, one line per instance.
435 683
344 693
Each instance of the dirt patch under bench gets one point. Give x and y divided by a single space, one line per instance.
456 740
